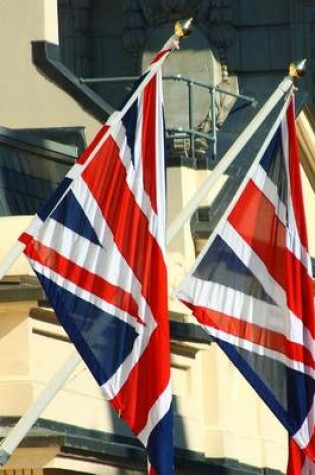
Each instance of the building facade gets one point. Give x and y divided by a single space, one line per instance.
66 65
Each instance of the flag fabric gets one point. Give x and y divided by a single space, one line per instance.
98 249
298 463
251 287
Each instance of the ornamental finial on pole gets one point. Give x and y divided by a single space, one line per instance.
297 69
183 27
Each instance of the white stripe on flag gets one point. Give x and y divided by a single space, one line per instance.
105 263
86 295
242 307
156 413
270 190
259 350
134 178
250 259
304 434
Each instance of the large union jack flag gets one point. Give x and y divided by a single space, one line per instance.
98 249
251 287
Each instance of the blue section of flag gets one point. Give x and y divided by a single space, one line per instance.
130 122
255 381
50 204
72 216
221 265
274 148
299 388
103 340
274 165
160 447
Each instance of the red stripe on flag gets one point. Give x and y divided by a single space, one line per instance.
296 459
160 55
25 238
87 152
254 219
254 334
82 278
149 141
126 220
152 471
301 462
310 448
300 296
147 380
130 229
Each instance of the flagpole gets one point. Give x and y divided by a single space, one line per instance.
25 423
11 257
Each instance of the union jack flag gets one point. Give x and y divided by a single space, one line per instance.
98 249
251 287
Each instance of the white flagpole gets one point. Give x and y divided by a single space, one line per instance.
15 251
22 427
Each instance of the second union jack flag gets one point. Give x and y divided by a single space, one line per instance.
251 287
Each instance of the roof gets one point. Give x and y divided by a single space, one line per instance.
31 166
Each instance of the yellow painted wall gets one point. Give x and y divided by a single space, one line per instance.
28 99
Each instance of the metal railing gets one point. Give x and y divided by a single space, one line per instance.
192 131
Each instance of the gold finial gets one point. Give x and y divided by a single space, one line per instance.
183 28
297 69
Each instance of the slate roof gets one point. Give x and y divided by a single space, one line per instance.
31 166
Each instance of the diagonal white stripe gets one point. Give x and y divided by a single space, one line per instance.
112 387
105 263
248 257
259 350
270 190
134 179
304 434
86 295
293 242
242 307
295 330
157 412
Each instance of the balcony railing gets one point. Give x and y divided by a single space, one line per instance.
192 132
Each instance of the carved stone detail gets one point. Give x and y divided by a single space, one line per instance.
134 26
215 16
221 31
147 21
